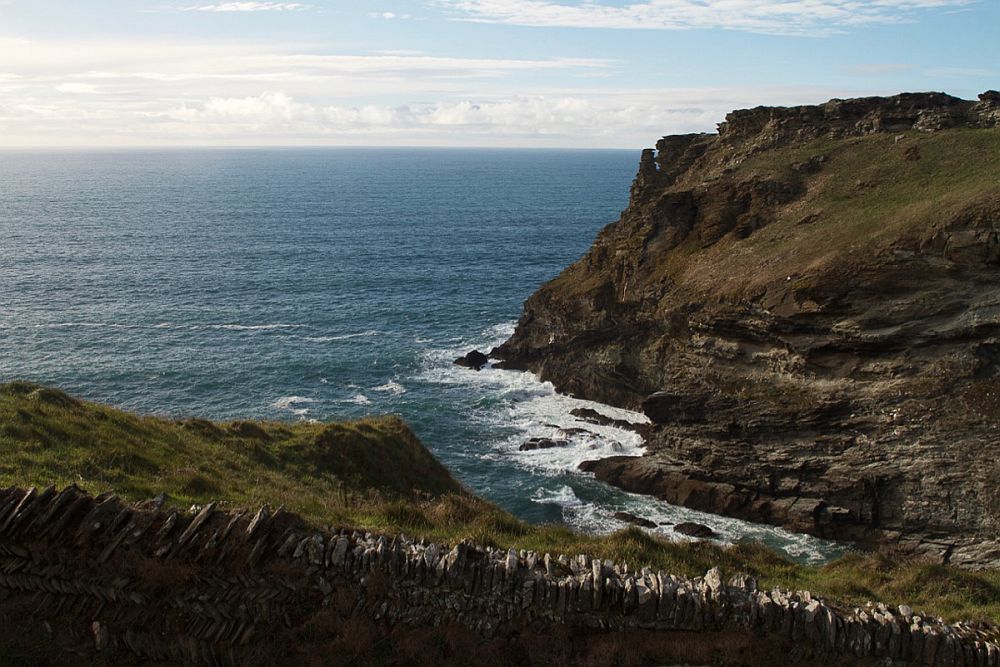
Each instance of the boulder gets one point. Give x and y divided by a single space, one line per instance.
636 520
692 529
542 443
474 359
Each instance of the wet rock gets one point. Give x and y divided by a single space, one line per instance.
592 416
636 520
692 529
474 359
542 443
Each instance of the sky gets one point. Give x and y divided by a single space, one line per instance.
486 73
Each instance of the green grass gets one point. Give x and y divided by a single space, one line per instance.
47 437
865 198
375 474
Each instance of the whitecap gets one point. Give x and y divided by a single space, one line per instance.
391 387
82 325
286 402
330 339
361 399
564 497
253 327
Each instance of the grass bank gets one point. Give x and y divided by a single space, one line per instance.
375 474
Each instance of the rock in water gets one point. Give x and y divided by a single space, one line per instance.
636 520
474 359
542 443
694 529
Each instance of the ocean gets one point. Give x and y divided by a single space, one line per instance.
324 284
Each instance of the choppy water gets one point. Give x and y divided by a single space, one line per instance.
321 284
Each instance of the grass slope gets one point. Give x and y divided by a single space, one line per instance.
375 474
872 192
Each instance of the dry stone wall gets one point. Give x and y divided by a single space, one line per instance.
104 580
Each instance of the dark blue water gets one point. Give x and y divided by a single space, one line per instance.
318 284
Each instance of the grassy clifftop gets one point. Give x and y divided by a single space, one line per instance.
375 474
47 437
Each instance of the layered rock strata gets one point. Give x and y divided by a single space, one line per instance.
807 306
98 579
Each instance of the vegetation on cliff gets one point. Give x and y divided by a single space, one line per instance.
807 306
375 474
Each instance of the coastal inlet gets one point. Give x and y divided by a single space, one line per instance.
322 284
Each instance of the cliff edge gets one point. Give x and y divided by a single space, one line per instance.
807 305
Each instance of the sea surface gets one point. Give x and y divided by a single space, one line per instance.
323 284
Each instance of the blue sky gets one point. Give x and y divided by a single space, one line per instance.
545 73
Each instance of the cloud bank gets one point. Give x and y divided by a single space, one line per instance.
245 7
791 17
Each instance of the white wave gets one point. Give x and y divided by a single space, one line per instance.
520 404
83 325
286 402
253 327
600 520
330 339
391 387
361 399
564 497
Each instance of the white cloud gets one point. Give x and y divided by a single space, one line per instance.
803 17
245 7
76 88
194 93
960 72
570 118
173 61
389 16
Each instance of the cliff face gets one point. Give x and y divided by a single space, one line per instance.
807 305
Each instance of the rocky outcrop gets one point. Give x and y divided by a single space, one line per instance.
809 315
474 360
694 530
94 579
542 443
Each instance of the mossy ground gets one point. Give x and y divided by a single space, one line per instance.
375 474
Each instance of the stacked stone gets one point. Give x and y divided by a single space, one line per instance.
63 555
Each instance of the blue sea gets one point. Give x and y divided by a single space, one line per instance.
323 284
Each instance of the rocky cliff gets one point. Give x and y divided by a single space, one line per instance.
807 305
92 580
